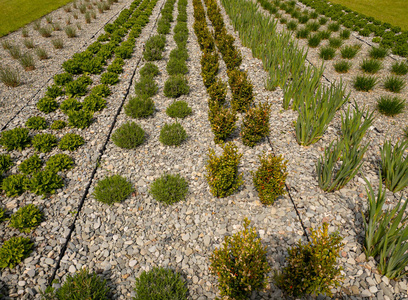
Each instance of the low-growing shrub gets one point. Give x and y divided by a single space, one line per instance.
178 109
399 68
390 106
370 66
172 134
2 214
312 268
242 90
223 122
70 104
15 250
5 163
176 66
169 189
71 142
80 119
45 182
78 87
94 103
364 83
327 53
47 105
255 125
160 284
109 78
180 54
26 218
116 66
31 165
101 90
36 122
149 69
314 40
54 91
217 92
44 142
175 86
209 67
15 139
240 264
146 87
128 136
59 162
139 107
154 47
58 124
14 185
9 76
112 189
63 78
394 84
222 172
342 66
378 53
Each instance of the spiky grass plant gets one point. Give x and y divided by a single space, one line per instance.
349 52
394 165
323 20
394 84
390 106
58 43
342 66
399 68
344 34
70 31
364 83
45 31
335 42
41 53
314 40
303 33
371 66
327 53
378 52
333 27
29 43
292 25
14 51
313 26
9 76
27 62
24 32
324 34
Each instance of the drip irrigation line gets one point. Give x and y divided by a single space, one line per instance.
101 152
50 78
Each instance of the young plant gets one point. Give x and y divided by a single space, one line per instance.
44 142
222 172
303 33
54 91
70 31
394 165
14 51
47 105
292 25
58 43
5 163
80 119
41 53
348 52
223 121
154 47
314 40
333 27
394 84
26 218
146 87
172 134
15 139
37 123
327 53
101 90
29 43
45 31
149 69
112 189
399 68
58 124
15 250
10 77
71 142
178 109
342 66
14 185
364 83
94 103
45 182
324 34
169 189
175 66
217 92
345 34
59 162
255 125
70 104
378 53
242 90
175 86
128 136
313 26
390 106
109 78
31 165
371 66
240 264
335 42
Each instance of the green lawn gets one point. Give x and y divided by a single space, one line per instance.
16 13
394 12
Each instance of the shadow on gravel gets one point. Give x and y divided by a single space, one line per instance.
4 291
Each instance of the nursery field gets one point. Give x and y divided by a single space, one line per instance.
17 13
201 149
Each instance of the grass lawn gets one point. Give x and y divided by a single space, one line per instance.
394 12
17 13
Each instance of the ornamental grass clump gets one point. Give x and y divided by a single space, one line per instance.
178 109
314 40
112 189
26 218
255 125
370 66
335 42
312 268
240 264
14 251
394 165
342 66
222 171
15 139
364 83
169 189
327 53
27 62
31 165
128 136
348 52
242 90
172 134
394 84
10 77
269 179
41 53
390 106
160 284
399 68
386 233
378 53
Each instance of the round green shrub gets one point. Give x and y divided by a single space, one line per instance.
58 124
94 103
80 119
175 86
31 165
178 109
62 79
169 189
14 185
15 250
47 105
83 285
71 142
101 90
176 66
26 218
16 138
45 183
390 106
128 136
70 104
5 163
110 78
149 69
59 162
172 134
146 87
139 107
54 91
112 189
44 142
37 123
160 284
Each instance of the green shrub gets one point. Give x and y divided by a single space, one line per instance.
26 218
176 66
172 134
54 91
163 26
175 86
209 67
109 78
394 84
128 136
80 119
223 122
169 189
378 53
370 66
327 53
180 54
242 90
2 214
78 88
14 185
16 138
83 285
399 68
59 162
149 69
139 107
58 124
311 268
36 122
335 42
94 103
5 163
70 104
101 90
333 27
349 52
178 109
44 142
217 92
116 66
9 76
45 182
303 33
146 87
71 142
314 40
342 66
345 34
364 83
47 105
222 172
269 179
255 125
240 264
15 250
112 189
154 47
160 284
390 106
31 165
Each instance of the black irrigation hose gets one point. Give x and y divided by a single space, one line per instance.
101 152
50 78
